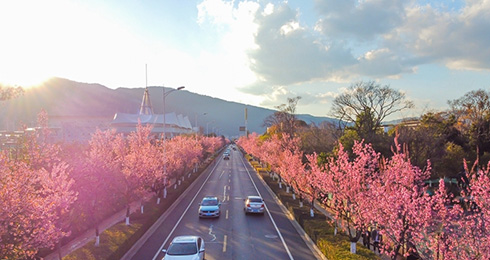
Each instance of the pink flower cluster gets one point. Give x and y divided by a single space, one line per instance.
367 192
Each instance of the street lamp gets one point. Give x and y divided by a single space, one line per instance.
203 114
165 94
197 132
207 127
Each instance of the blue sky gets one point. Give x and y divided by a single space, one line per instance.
254 52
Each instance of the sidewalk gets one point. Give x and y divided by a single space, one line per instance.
89 235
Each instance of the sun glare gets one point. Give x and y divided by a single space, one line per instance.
24 82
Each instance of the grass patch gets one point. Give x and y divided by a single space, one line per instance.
110 240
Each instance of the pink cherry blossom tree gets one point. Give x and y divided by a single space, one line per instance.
348 183
459 227
34 201
97 177
402 207
134 165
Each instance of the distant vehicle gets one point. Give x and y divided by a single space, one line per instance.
254 204
226 157
185 247
209 207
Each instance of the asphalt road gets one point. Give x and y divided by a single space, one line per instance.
233 235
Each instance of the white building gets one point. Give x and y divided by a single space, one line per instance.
171 124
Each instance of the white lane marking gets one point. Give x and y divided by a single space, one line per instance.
211 233
226 214
221 174
183 214
224 243
224 193
268 212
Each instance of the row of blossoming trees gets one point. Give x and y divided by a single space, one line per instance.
49 190
389 194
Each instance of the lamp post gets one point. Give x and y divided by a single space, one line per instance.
203 114
197 132
207 127
165 94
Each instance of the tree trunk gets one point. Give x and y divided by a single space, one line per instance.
312 213
287 188
59 249
97 235
353 248
294 196
127 214
165 192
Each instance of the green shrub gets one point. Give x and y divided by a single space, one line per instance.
338 247
110 240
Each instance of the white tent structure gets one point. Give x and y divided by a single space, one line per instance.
174 124
171 124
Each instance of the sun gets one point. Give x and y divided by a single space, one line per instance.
25 82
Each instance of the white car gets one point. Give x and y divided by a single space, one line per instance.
209 207
254 204
185 248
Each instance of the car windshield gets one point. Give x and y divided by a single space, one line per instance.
255 200
182 249
209 203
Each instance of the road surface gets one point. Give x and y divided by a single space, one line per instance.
233 235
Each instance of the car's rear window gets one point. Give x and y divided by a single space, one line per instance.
182 249
255 200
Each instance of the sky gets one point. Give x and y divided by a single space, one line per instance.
254 52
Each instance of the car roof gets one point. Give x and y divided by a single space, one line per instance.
254 197
210 198
185 239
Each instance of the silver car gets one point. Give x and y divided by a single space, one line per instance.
185 248
209 207
254 204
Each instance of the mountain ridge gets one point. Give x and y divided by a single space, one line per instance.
63 97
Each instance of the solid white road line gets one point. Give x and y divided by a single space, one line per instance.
268 212
181 217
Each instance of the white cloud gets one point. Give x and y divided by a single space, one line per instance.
361 20
458 40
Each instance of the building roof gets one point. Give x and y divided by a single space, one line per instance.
173 122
